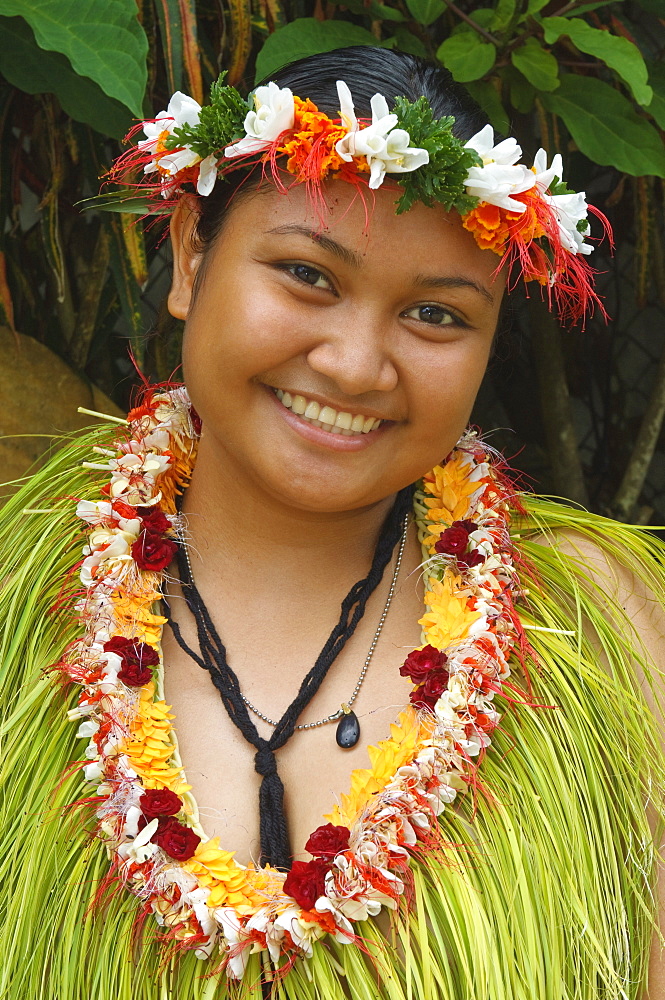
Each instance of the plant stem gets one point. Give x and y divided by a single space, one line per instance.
567 473
474 24
638 465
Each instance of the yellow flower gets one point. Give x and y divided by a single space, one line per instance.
449 618
134 616
229 883
150 747
406 736
450 488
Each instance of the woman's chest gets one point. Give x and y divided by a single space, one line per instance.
219 761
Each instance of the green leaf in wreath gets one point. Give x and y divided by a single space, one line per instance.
466 56
35 71
606 127
618 53
102 39
306 36
425 11
537 64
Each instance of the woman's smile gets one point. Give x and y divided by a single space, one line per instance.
326 426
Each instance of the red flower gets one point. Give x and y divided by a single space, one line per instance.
428 693
137 657
328 840
178 841
454 540
152 552
306 881
160 802
153 520
421 662
473 558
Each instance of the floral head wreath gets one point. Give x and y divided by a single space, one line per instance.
527 216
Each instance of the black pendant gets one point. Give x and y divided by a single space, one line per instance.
348 731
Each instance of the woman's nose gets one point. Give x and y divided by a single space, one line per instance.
355 358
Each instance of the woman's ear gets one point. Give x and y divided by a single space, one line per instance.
186 259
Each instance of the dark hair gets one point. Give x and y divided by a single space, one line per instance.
367 70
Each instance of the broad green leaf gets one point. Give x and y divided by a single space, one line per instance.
505 11
482 16
408 42
606 127
616 52
657 82
425 11
381 12
522 94
305 37
537 64
102 39
35 71
466 56
485 94
534 6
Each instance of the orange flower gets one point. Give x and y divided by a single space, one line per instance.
150 746
494 227
311 150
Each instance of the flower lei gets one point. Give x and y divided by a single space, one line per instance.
527 216
146 815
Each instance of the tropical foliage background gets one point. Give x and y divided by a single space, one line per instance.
583 78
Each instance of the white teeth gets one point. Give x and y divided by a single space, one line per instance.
325 416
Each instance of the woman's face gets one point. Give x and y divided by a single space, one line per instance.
296 321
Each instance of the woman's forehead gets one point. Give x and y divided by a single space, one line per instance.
361 230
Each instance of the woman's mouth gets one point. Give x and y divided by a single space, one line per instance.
325 417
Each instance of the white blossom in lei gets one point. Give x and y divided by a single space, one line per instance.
500 176
569 209
274 113
386 148
182 110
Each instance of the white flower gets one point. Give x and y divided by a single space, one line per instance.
182 110
140 849
569 209
274 113
385 147
500 175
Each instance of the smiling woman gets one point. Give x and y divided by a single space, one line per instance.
474 748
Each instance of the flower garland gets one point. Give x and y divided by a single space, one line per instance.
146 815
526 215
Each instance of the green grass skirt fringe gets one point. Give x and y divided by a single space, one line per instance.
544 890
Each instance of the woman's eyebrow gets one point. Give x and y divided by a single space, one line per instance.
454 282
348 256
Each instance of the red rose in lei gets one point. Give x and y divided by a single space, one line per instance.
159 802
328 840
454 540
153 520
137 657
428 693
178 841
306 882
421 662
153 552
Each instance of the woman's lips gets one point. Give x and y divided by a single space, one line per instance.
333 439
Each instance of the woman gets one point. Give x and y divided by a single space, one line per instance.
333 263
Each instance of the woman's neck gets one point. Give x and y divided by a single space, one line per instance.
231 517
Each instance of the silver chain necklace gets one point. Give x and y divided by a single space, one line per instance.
348 730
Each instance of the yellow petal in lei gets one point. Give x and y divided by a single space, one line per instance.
135 618
150 747
229 883
407 736
449 618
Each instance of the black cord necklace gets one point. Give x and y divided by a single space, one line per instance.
275 846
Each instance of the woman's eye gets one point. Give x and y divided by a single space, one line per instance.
434 315
309 275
